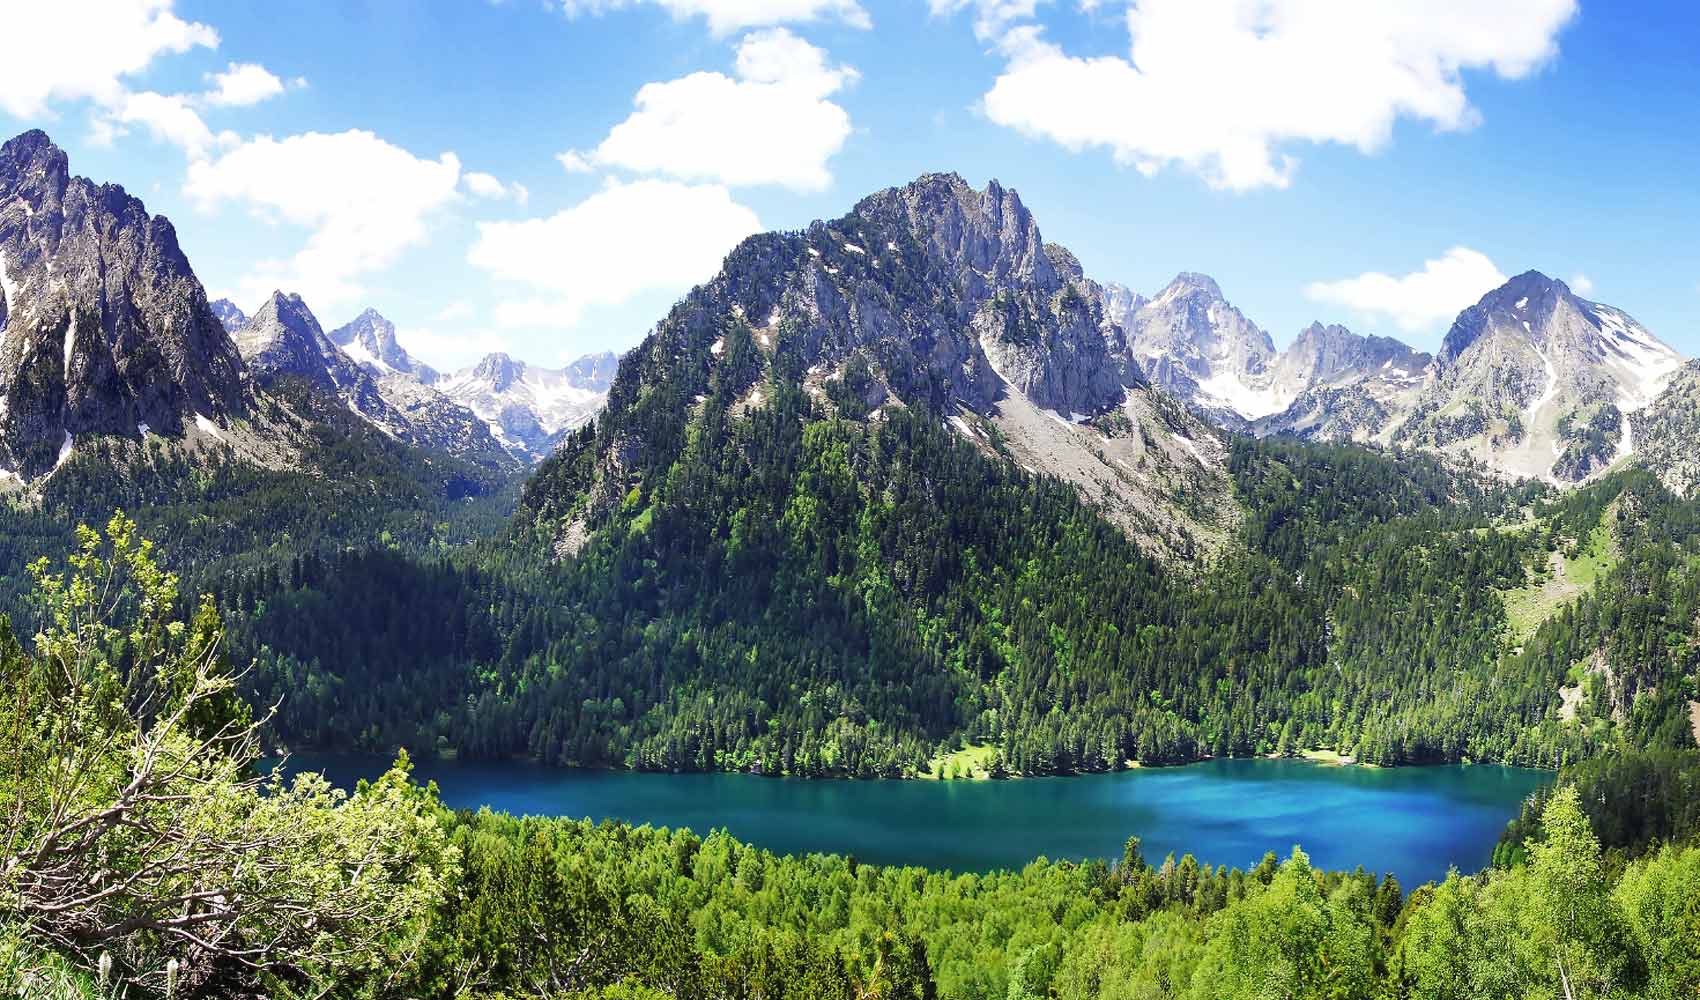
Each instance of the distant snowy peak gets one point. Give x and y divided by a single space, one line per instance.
529 408
1191 341
283 341
230 315
1121 303
370 340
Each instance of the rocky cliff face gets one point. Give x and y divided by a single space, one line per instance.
932 296
1537 381
529 408
1667 432
104 328
285 347
370 341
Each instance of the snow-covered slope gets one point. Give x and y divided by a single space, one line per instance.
528 408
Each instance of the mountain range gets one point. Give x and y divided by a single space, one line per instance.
934 294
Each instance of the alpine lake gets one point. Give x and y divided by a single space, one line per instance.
1415 822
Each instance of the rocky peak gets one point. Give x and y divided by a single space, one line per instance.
498 371
989 235
1539 382
230 315
1120 303
594 371
106 328
283 337
1322 353
370 340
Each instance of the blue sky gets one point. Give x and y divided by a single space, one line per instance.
547 177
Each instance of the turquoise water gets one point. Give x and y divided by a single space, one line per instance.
1414 822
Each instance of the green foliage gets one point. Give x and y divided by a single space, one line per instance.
140 842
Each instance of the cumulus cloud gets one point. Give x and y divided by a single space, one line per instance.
488 186
727 16
242 84
167 117
1421 300
77 49
622 241
1225 88
1581 284
574 162
771 123
450 350
361 199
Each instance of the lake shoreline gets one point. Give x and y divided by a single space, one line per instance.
1319 757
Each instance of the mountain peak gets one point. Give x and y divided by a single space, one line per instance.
98 291
370 340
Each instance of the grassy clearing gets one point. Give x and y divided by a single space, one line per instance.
973 762
1563 581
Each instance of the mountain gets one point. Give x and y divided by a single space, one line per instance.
1346 386
229 314
106 330
933 299
284 346
1667 432
529 408
1536 381
1121 303
1193 343
369 339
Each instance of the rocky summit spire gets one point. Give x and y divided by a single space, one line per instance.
105 327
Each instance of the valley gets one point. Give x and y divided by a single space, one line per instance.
904 494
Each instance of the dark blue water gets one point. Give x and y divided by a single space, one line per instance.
1414 822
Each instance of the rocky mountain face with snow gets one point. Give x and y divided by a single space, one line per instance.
1345 386
104 329
1667 431
229 314
1537 381
931 297
285 347
369 339
1329 384
527 407
1193 343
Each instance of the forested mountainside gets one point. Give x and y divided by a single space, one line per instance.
113 780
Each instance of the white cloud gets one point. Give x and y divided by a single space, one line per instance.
772 124
488 186
574 162
1224 87
362 200
727 16
167 117
455 312
1420 300
448 351
1581 284
242 84
75 49
624 240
